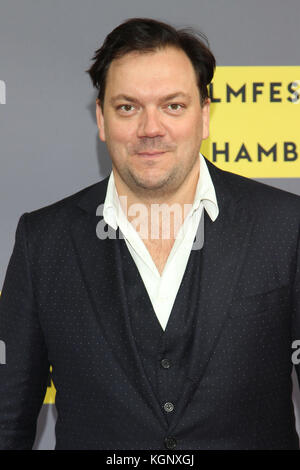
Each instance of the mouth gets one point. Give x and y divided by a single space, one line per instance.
150 154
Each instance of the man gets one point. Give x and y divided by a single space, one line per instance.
155 342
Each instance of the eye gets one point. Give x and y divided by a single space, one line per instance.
175 106
125 107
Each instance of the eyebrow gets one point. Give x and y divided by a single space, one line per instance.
131 99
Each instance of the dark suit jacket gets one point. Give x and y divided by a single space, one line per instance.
63 303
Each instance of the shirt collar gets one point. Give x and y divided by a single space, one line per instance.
205 193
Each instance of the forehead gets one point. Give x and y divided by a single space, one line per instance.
149 73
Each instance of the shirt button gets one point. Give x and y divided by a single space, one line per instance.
170 442
168 406
165 363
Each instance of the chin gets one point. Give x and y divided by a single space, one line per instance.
146 184
157 184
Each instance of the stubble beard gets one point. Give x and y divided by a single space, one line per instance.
164 186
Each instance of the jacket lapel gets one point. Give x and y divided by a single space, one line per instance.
225 246
101 270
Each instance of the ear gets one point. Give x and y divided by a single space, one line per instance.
205 118
100 120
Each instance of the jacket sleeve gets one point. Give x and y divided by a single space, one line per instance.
24 374
296 315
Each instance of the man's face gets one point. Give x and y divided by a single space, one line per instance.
152 120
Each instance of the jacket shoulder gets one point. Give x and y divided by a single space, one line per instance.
260 195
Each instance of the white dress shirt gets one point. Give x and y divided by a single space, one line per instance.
162 289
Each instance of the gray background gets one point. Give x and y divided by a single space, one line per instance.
49 146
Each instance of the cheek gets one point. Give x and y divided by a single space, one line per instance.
120 133
187 130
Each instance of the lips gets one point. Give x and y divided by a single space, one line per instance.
151 154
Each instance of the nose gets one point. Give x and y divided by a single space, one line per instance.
150 124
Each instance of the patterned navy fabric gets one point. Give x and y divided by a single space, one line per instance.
164 354
219 377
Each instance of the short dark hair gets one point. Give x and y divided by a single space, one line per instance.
146 35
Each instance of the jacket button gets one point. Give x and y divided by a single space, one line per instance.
168 406
165 363
170 442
